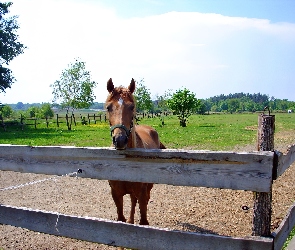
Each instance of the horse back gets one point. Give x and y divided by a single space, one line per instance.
147 137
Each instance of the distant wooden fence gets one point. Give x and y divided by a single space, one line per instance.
68 119
72 119
239 171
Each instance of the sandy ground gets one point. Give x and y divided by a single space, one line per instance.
194 209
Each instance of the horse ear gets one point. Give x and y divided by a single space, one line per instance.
110 85
132 86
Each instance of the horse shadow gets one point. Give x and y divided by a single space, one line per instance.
193 228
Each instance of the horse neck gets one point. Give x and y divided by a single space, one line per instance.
132 139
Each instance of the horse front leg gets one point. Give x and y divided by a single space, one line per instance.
118 199
143 202
143 212
132 211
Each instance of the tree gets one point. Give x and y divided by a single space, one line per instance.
233 105
6 111
163 99
183 103
203 107
143 97
75 88
9 45
33 111
46 111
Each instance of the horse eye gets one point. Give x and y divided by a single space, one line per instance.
109 108
131 107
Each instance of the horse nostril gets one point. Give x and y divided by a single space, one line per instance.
120 142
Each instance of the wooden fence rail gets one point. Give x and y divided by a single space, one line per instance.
238 171
123 234
244 171
70 119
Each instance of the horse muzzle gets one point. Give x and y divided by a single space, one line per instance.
120 141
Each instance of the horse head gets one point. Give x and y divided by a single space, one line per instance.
120 105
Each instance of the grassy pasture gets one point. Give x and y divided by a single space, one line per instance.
211 132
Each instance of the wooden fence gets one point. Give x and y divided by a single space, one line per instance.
253 171
72 119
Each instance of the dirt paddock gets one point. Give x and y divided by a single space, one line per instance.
197 209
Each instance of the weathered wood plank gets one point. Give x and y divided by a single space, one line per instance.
284 161
282 232
123 234
239 171
262 200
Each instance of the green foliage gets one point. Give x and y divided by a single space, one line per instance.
202 107
33 111
75 88
46 111
6 111
42 111
183 103
143 97
162 101
9 45
233 105
248 102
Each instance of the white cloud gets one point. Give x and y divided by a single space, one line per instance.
209 53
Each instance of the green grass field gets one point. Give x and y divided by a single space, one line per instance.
203 132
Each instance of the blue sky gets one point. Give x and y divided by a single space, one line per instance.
210 47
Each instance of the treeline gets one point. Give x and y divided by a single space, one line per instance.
238 102
26 106
241 102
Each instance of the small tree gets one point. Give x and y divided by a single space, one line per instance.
46 111
5 110
202 107
162 100
74 89
183 103
143 97
33 111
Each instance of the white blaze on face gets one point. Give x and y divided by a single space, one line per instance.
120 101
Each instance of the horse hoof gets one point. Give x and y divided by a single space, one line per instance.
130 221
121 219
144 222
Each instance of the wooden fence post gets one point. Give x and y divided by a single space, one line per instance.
2 122
67 120
57 120
22 121
47 122
262 200
74 119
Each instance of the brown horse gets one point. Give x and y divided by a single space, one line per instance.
120 105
